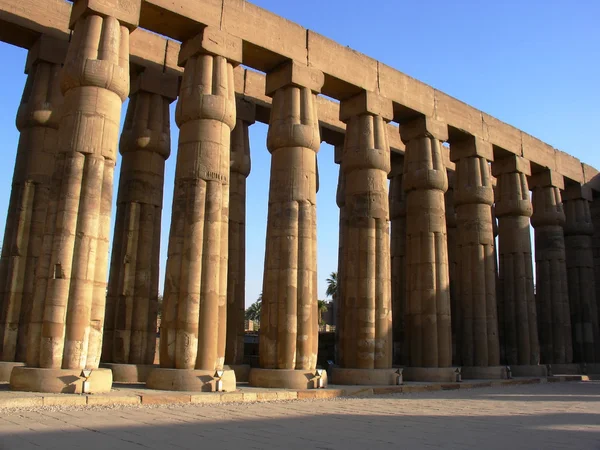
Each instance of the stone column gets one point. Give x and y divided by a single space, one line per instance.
341 202
65 334
37 121
236 274
365 307
132 299
289 319
397 200
452 263
479 348
552 291
193 326
580 274
428 292
513 210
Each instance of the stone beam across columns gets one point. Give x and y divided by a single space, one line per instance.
289 317
519 321
236 274
193 329
478 349
579 229
129 342
365 305
37 122
428 328
67 318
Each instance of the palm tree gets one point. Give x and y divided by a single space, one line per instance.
321 308
253 311
332 286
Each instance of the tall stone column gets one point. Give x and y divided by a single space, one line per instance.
513 210
397 200
479 348
132 299
341 202
37 121
366 304
236 274
580 274
428 291
552 291
452 263
65 334
193 326
289 318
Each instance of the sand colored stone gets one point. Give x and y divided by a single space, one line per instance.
236 274
452 260
552 291
513 210
195 299
397 199
341 202
70 293
132 296
580 274
477 322
289 319
595 214
37 122
428 294
365 304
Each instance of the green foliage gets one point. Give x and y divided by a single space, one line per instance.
253 311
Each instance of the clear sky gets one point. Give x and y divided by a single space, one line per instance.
534 64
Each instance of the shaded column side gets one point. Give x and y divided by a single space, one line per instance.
452 265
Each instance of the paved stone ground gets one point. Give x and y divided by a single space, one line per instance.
544 416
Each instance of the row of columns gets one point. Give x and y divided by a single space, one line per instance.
436 274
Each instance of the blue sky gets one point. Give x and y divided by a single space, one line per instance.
534 64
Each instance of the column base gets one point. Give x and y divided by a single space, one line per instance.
590 369
189 380
6 368
528 371
286 378
439 374
564 369
129 373
242 371
483 373
59 381
366 377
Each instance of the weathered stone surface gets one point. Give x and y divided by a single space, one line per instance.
452 260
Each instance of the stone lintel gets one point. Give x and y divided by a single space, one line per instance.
245 110
511 164
423 126
47 49
127 12
155 82
367 102
547 178
293 73
338 151
469 147
576 192
212 41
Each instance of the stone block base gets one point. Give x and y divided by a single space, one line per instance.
591 369
564 369
189 380
6 368
242 371
440 374
365 377
285 379
129 373
484 373
528 371
59 381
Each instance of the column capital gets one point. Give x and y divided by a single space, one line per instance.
471 146
577 192
367 102
245 110
127 12
47 49
547 178
293 73
422 127
511 164
155 82
211 41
